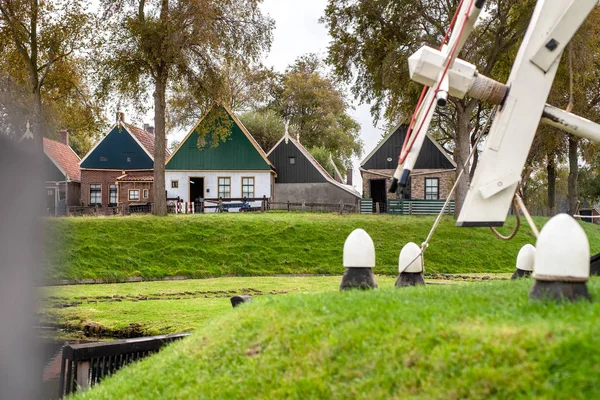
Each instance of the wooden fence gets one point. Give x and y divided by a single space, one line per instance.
85 365
406 207
340 207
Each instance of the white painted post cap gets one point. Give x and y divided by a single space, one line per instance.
526 258
411 259
359 250
562 251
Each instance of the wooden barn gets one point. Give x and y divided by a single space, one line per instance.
431 179
235 169
300 178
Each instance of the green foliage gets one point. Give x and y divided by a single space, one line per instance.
211 245
469 341
215 127
266 126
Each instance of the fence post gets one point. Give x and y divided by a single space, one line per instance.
83 372
288 205
410 208
377 208
264 203
303 204
341 206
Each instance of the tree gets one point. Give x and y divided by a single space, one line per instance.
177 45
40 42
372 40
318 109
266 126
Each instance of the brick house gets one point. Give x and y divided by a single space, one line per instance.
119 170
432 178
62 175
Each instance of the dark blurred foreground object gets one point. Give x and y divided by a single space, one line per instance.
21 230
237 300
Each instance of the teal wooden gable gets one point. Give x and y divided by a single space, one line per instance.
238 152
118 150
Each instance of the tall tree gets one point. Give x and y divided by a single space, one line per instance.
159 45
372 40
40 42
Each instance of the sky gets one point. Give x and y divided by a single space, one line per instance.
297 32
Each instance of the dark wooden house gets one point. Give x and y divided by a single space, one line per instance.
301 178
62 175
119 169
431 179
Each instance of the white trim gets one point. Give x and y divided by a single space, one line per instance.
96 145
389 135
138 142
62 171
236 121
275 146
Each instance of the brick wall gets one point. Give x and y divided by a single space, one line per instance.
125 187
107 177
417 182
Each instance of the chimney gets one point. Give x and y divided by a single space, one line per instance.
349 176
120 116
149 129
64 136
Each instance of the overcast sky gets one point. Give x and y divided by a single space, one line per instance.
297 32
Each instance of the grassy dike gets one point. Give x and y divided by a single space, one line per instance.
468 341
201 246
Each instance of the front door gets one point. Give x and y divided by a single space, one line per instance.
197 193
51 201
378 194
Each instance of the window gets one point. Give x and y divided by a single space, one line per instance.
292 160
113 194
95 193
128 159
134 194
432 188
225 188
174 184
145 193
248 187
103 159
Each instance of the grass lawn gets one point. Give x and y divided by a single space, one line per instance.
252 244
153 308
484 340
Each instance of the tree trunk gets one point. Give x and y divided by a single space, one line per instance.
573 188
160 198
461 155
551 169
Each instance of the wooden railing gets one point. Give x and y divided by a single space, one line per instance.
406 207
85 365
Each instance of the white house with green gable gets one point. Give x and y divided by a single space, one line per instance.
235 169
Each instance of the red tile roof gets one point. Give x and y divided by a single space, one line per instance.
144 137
136 178
64 157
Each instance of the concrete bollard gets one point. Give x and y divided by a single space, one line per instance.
562 261
359 260
410 266
237 300
525 261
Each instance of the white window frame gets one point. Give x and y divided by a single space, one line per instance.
133 190
99 191
246 193
222 194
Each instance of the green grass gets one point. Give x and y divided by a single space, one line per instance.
484 340
165 307
201 246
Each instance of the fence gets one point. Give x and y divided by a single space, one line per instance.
405 207
85 365
313 207
125 209
178 206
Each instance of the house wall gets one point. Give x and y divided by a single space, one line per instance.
262 183
312 193
417 182
74 194
124 188
104 178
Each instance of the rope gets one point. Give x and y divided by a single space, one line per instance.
515 208
527 215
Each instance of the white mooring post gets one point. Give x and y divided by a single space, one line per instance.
562 261
359 260
410 266
525 262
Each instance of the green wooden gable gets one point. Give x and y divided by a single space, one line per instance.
236 153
